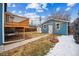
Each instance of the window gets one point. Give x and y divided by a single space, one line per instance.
8 18
57 25
44 26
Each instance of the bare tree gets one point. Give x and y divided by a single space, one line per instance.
63 15
57 15
66 15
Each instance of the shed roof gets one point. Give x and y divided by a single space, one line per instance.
54 20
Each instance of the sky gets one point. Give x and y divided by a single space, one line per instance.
35 10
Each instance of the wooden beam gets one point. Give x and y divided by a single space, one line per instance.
24 33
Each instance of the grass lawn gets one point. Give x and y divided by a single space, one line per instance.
36 48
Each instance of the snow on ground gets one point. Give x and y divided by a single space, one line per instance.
65 47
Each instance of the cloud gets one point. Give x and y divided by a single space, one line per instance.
20 12
13 5
8 4
49 14
39 10
31 15
43 16
34 18
57 9
38 6
13 11
67 9
32 5
71 4
44 6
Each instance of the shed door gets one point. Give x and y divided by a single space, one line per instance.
50 29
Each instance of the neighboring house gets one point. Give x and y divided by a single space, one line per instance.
54 26
14 24
1 39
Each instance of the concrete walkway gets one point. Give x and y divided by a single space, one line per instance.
65 47
17 44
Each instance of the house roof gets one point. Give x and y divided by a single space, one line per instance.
12 15
21 18
54 20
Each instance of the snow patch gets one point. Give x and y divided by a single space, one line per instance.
65 47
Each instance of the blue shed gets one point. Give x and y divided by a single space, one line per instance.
1 41
54 26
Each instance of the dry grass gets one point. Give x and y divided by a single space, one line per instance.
36 48
20 35
33 34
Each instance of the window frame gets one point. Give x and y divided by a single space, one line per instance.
7 18
56 27
44 26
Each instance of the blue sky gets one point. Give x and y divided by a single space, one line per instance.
34 10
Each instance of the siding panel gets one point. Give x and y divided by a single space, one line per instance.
0 23
63 27
44 30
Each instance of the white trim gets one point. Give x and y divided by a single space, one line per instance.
50 29
59 20
44 25
3 23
